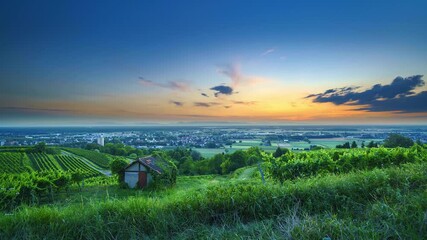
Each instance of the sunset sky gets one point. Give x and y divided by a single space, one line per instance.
166 62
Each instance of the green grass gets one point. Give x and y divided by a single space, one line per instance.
375 204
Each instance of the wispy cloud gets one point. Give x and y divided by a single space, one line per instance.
397 96
245 102
173 85
268 51
237 79
206 104
177 103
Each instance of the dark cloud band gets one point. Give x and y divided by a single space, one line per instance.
398 96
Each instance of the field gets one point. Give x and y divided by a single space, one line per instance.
69 163
12 162
18 162
97 158
210 152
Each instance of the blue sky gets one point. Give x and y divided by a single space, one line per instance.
81 62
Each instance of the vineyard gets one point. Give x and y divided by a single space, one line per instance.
70 163
43 162
294 165
13 163
20 162
98 158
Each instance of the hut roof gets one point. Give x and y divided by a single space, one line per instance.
150 162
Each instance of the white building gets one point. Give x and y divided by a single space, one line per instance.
100 141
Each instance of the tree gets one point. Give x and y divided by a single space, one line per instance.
215 163
187 167
40 147
396 140
179 154
372 144
354 144
363 145
237 160
345 145
279 152
118 165
196 155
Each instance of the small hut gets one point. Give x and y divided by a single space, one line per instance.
139 173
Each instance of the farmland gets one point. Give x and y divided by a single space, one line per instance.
97 158
69 163
19 162
11 162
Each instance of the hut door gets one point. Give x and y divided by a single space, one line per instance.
142 178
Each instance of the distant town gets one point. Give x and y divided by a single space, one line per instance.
221 137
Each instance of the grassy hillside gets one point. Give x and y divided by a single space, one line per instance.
372 204
345 194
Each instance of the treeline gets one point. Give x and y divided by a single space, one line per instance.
118 149
219 164
393 140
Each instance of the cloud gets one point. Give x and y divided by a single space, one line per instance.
233 72
222 89
33 109
204 94
173 85
268 51
177 103
244 102
408 104
205 104
397 96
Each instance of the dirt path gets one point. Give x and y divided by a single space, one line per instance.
247 173
89 163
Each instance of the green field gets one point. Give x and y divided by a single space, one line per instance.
242 144
209 152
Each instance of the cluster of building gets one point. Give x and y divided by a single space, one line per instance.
203 137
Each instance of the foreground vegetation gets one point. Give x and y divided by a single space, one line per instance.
372 204
372 193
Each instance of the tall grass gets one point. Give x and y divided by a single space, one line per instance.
393 197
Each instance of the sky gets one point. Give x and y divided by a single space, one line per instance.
182 62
